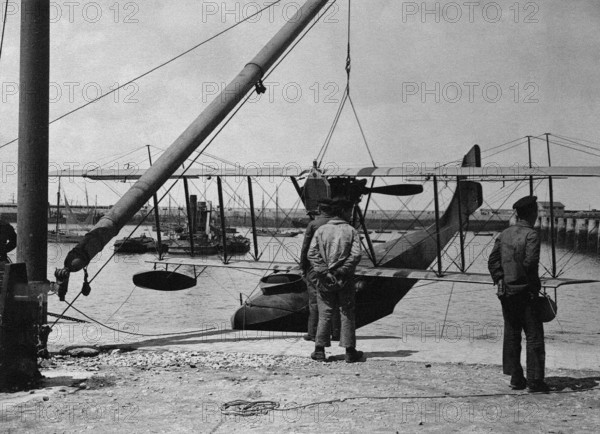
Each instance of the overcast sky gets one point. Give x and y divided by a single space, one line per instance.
541 56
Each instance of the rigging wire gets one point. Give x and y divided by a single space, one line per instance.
576 143
139 334
447 309
503 144
150 71
576 139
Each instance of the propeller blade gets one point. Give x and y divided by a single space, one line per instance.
397 190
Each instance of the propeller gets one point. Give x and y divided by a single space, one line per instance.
395 190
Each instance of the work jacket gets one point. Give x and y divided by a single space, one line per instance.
335 248
515 259
312 227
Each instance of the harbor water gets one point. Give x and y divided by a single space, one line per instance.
430 311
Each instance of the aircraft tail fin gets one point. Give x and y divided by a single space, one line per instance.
469 194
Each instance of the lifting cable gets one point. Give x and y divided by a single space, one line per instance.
346 97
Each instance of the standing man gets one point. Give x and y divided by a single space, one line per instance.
513 265
334 254
325 214
8 239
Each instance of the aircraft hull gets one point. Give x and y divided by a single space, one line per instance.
376 298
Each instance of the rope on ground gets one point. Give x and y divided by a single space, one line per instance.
254 408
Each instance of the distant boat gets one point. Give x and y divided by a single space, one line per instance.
236 244
63 237
202 245
141 244
277 234
66 235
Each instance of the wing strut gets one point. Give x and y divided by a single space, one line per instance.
461 234
363 225
437 225
156 214
222 215
551 190
188 207
253 218
530 165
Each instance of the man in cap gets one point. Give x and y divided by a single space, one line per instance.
513 265
8 239
325 214
334 254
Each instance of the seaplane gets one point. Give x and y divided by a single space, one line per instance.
388 271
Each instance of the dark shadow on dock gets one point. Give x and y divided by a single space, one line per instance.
207 337
398 353
193 338
360 338
566 384
66 381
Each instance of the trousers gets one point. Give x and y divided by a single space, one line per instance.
520 315
342 301
313 308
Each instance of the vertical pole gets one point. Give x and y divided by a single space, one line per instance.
460 227
23 296
222 215
551 191
277 208
32 230
156 215
253 218
58 209
186 190
530 165
437 225
361 218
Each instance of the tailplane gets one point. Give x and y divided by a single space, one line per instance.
468 196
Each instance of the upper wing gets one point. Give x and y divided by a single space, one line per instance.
398 273
412 170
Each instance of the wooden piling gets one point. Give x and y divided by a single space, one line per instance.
544 228
592 236
581 231
561 231
570 232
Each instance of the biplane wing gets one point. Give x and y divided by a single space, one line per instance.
487 173
396 273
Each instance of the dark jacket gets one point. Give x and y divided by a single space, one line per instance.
335 248
515 259
312 227
8 239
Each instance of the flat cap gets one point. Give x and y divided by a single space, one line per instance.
341 202
324 201
525 202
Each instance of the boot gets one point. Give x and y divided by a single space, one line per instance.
319 354
352 355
